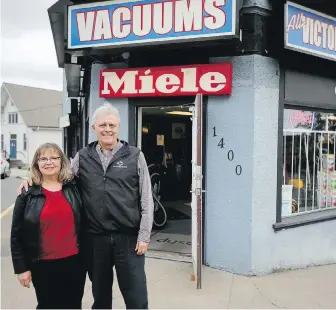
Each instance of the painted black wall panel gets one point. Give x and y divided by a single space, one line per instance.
307 88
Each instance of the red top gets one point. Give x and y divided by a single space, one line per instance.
57 227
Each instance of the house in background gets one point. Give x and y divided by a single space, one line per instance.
29 117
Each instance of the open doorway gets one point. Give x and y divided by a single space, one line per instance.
165 138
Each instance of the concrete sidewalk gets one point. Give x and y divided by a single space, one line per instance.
170 287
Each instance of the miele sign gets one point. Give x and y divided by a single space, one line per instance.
210 79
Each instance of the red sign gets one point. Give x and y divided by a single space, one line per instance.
300 117
214 79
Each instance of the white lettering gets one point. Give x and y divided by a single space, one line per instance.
128 80
166 80
102 26
311 31
188 16
305 37
317 31
291 24
163 21
147 83
142 19
324 34
85 25
189 80
213 81
331 38
121 31
209 79
217 18
296 22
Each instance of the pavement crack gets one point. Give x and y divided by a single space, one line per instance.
231 287
265 297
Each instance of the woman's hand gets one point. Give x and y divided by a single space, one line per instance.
25 279
24 184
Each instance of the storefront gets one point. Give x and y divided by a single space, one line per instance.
213 100
307 107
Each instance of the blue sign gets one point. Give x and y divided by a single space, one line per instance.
309 31
142 22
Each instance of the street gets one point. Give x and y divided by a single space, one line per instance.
8 191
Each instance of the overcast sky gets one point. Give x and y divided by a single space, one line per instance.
28 55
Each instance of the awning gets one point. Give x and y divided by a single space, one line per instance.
57 22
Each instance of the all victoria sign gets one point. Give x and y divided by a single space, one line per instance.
310 32
143 22
209 79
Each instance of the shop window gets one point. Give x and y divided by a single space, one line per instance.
309 176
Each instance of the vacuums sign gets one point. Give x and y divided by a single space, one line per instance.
141 22
210 79
309 31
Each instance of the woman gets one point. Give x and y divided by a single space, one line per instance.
46 233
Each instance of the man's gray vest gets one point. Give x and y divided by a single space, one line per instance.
111 199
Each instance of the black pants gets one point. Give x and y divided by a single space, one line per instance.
116 250
59 283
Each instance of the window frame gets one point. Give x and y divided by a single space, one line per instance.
13 118
304 218
25 142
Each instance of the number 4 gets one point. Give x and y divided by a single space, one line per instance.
221 143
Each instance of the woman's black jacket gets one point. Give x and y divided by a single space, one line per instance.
25 232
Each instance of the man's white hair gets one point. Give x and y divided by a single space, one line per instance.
105 109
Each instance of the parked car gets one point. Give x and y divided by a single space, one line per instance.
5 168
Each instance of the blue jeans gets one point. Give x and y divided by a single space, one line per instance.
107 251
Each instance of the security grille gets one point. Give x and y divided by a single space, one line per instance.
309 167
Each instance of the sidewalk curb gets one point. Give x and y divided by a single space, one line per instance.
4 212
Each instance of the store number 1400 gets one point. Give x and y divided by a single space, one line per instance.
230 154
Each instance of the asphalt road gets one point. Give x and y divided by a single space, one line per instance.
8 191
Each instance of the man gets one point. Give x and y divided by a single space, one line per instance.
116 190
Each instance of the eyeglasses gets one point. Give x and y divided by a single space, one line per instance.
44 160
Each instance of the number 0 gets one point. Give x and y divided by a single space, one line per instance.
239 170
230 155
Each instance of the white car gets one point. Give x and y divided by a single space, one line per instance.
5 169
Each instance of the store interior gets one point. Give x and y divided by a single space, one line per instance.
166 141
